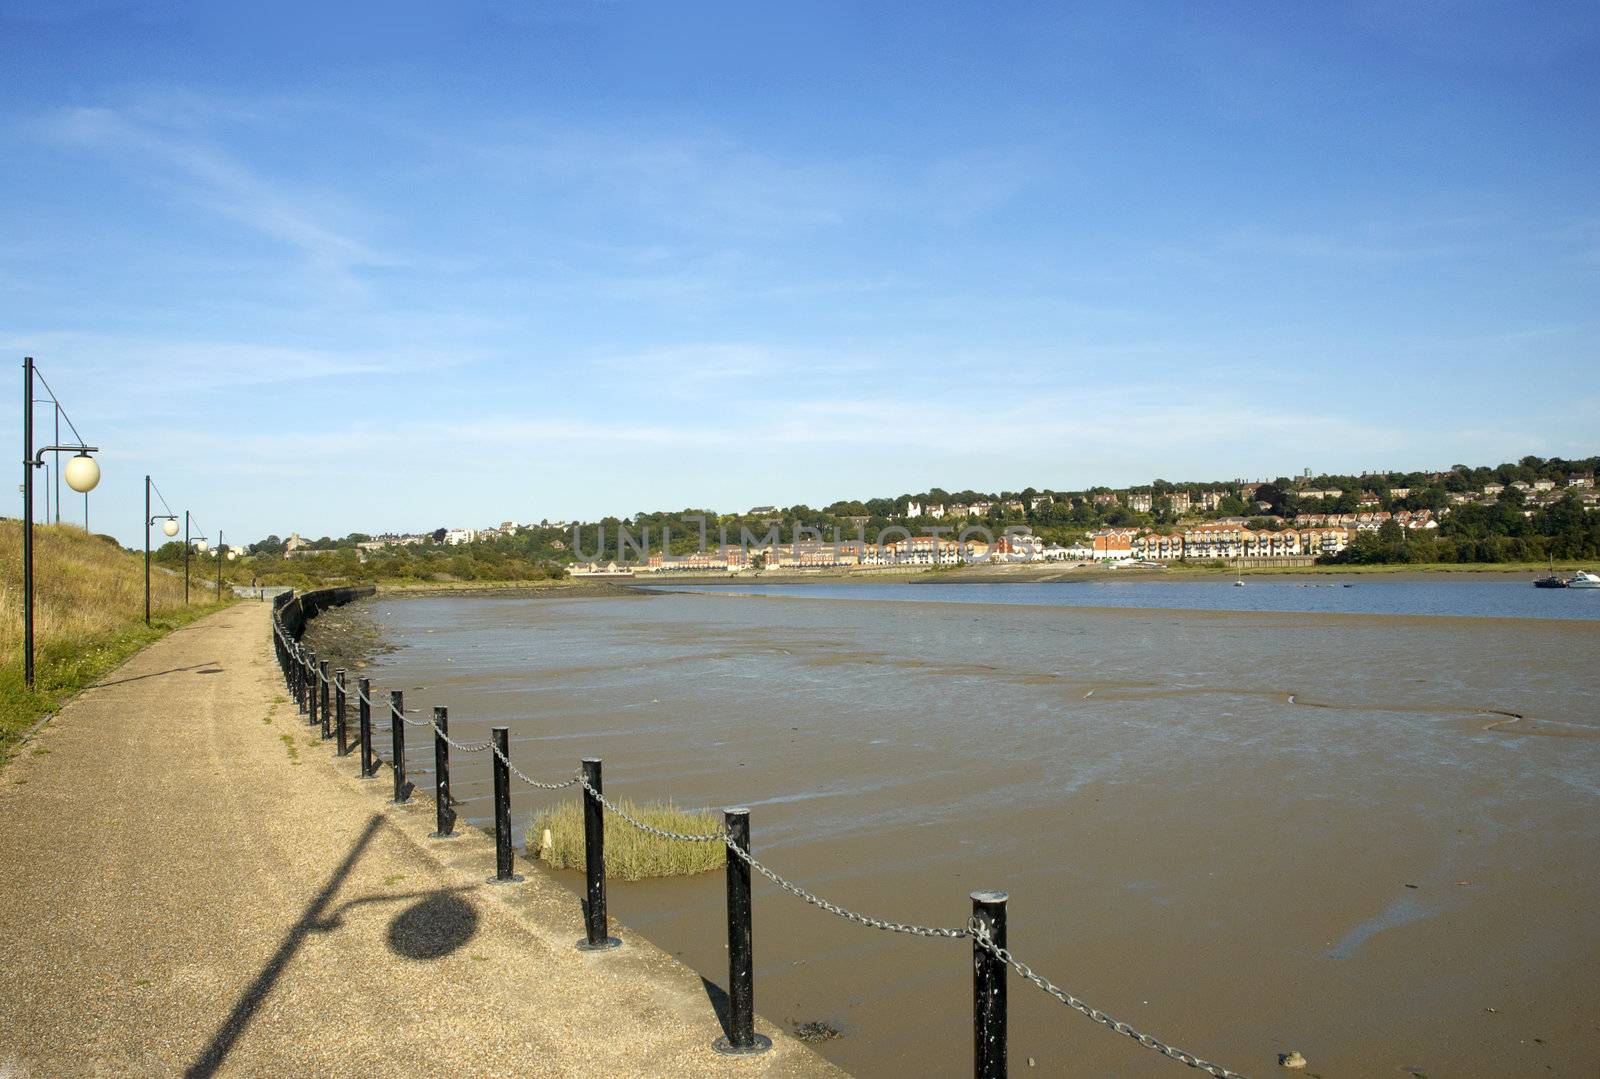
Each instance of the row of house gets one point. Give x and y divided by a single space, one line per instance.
1217 540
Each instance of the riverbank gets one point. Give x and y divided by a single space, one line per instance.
185 850
1040 573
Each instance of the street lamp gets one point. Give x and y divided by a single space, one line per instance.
198 544
82 475
169 525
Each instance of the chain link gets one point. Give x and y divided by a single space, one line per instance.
530 782
833 908
681 837
980 937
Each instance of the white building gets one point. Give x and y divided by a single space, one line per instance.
457 536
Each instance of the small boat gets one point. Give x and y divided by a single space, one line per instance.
1584 579
1550 582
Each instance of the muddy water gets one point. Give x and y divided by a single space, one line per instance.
1373 839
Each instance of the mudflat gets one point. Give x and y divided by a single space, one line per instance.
1369 838
194 885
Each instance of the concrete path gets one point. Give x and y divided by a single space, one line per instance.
190 885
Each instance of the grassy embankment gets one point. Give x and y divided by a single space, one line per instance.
630 853
88 617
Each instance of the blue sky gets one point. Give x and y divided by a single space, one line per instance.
395 268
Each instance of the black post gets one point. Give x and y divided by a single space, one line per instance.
397 734
311 689
444 813
300 679
147 550
185 557
594 863
741 1038
364 716
338 711
327 690
503 865
27 521
989 988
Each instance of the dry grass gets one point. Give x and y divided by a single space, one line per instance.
88 616
630 853
83 587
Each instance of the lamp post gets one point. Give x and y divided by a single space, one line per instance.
221 549
169 525
82 474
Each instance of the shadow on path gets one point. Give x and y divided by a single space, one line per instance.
206 666
435 926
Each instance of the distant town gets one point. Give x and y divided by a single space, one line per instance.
1530 510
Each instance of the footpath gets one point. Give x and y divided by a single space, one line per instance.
190 886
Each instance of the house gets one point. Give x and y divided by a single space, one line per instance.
1399 492
1040 502
1140 501
457 536
1369 498
293 544
1493 489
1580 479
913 508
1015 505
1105 498
1112 543
1179 501
1544 485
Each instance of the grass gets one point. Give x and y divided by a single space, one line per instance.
88 618
630 853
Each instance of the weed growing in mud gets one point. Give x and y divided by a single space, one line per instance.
288 743
630 853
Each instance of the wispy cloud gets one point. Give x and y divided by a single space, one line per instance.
176 157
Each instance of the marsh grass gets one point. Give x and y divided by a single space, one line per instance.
630 853
88 617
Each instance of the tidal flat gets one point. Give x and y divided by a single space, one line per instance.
1370 838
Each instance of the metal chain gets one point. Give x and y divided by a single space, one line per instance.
980 937
833 908
681 837
530 782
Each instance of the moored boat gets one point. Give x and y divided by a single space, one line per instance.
1584 579
1550 582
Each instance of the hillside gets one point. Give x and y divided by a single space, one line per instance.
88 616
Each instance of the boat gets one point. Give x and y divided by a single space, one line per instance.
1584 579
1552 581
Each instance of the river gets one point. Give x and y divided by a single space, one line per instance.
1366 828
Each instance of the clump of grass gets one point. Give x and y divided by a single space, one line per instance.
630 853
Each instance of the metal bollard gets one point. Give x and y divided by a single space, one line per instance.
311 688
338 712
327 690
594 864
989 989
300 680
444 812
364 717
741 1039
503 863
397 735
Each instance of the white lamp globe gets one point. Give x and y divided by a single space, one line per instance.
170 527
201 546
83 473
233 552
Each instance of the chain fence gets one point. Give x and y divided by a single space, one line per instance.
973 930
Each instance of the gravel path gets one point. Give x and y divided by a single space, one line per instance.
193 884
